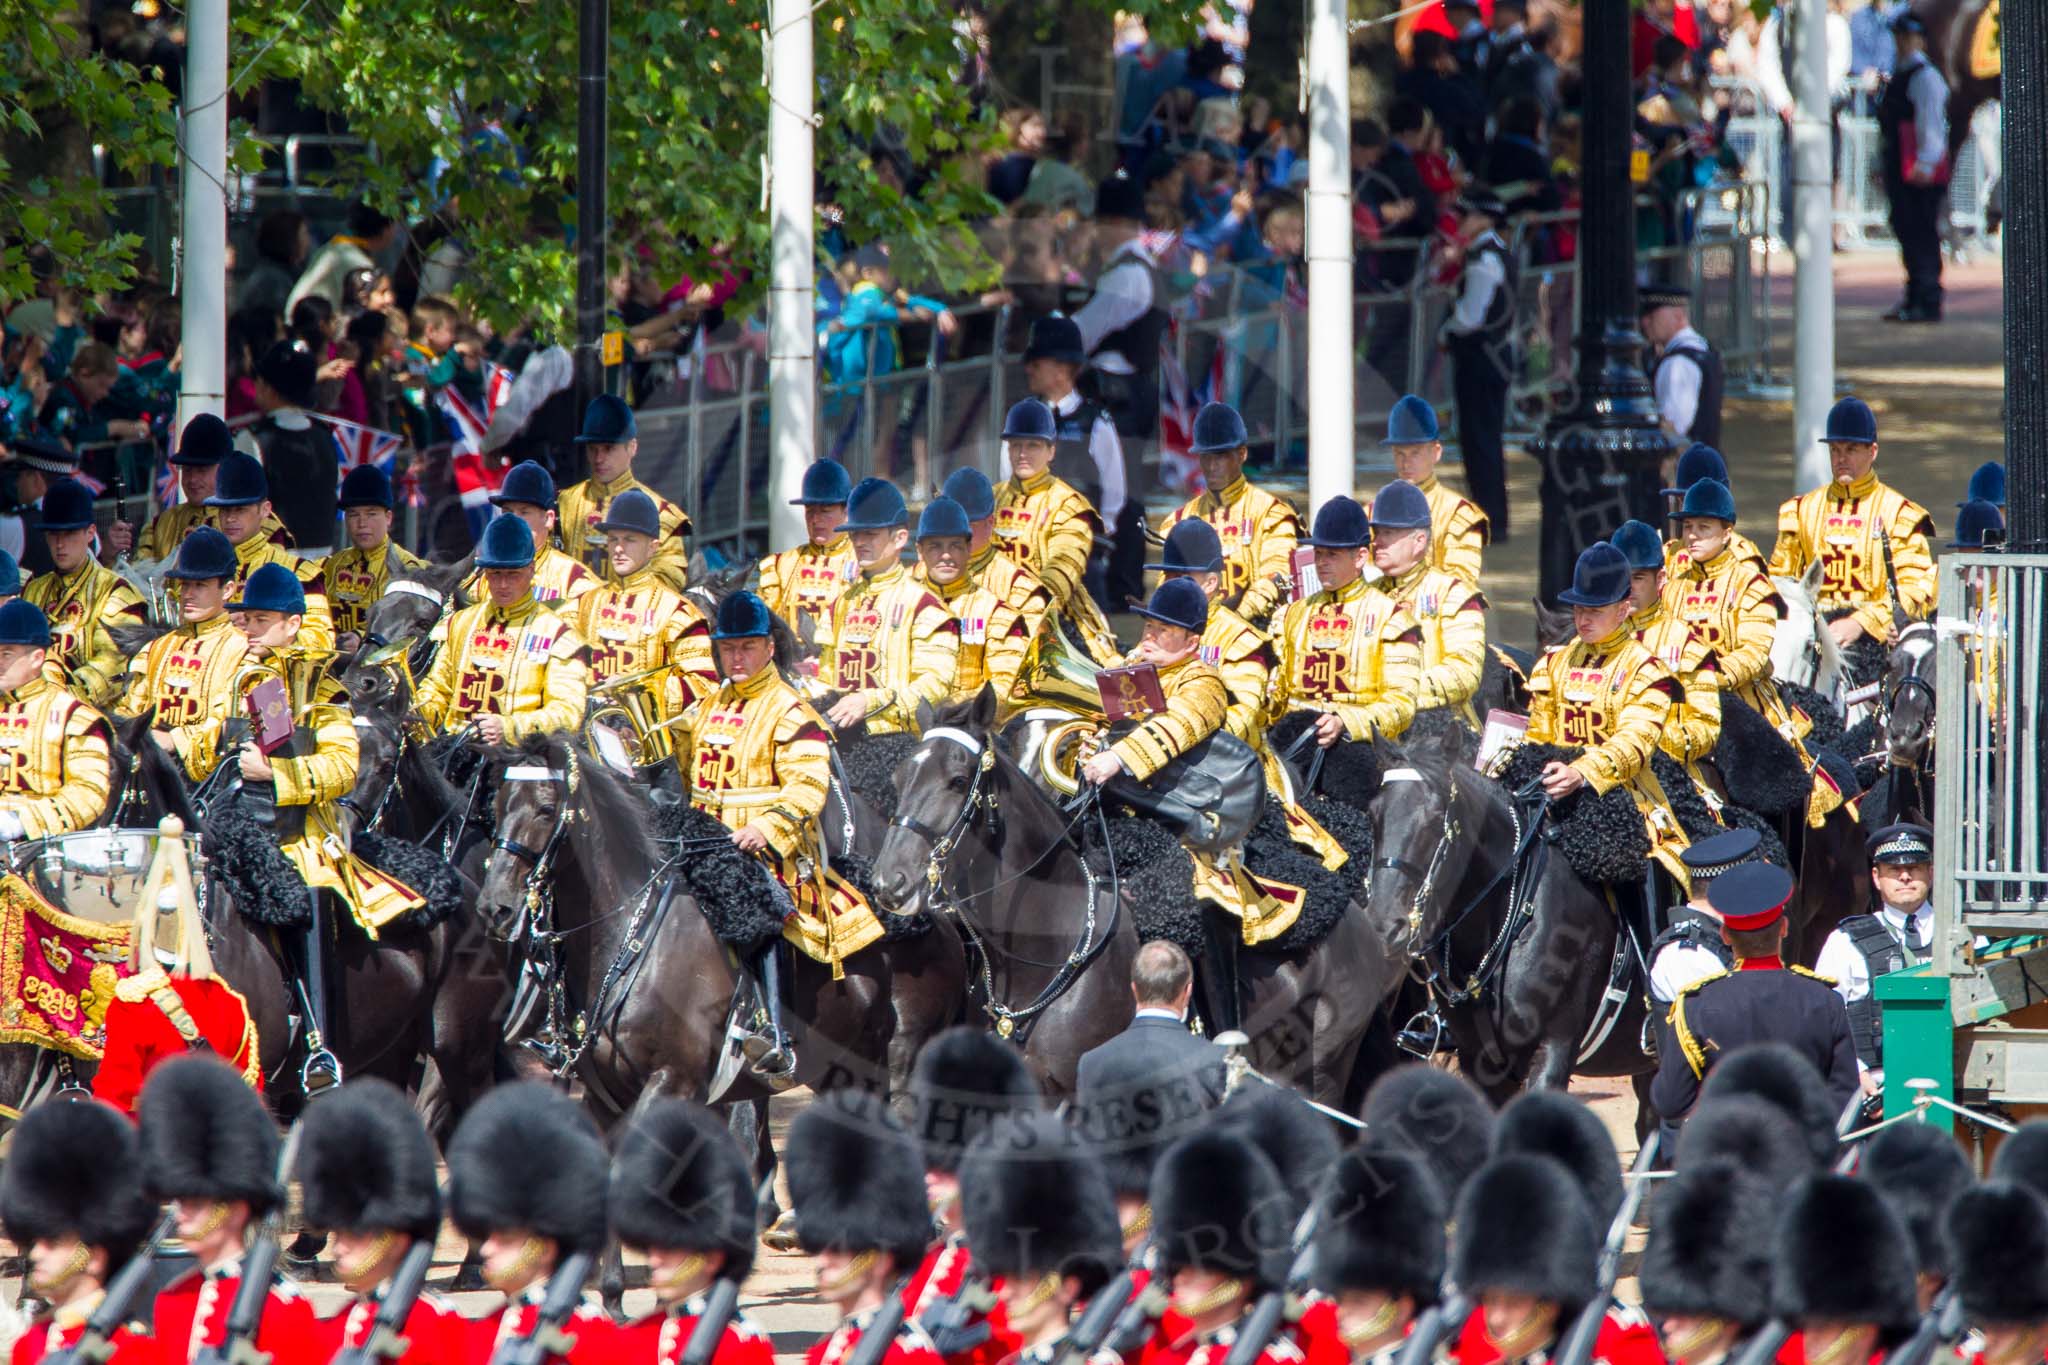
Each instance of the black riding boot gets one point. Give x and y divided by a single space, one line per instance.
1220 934
322 1068
769 1055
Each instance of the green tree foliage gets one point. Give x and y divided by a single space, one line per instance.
57 99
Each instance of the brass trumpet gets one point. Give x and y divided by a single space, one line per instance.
634 714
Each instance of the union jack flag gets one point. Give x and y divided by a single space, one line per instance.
1179 401
361 445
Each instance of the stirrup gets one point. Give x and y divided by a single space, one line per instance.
547 1050
775 1067
1423 1035
320 1073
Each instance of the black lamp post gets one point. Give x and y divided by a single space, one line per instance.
2023 34
1601 457
593 41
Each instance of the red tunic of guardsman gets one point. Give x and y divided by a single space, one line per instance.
1047 527
681 1195
71 1198
609 441
81 599
210 1147
355 576
1256 530
857 1185
526 1175
805 580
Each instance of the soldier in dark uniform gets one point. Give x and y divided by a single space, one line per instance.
1379 1248
1039 1213
1692 949
1843 1272
1897 936
1760 999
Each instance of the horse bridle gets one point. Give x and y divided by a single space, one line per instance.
540 862
943 844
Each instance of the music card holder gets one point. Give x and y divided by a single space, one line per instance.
1503 730
1307 583
1130 693
270 715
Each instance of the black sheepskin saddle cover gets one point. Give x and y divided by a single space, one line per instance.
242 853
1601 837
1157 876
1350 772
1827 721
1866 659
1857 743
870 762
1761 769
735 893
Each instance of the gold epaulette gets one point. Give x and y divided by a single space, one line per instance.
1811 974
1688 1042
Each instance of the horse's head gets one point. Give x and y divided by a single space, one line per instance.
1909 697
1419 840
939 786
378 740
412 604
529 817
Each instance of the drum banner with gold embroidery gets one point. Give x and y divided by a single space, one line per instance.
57 973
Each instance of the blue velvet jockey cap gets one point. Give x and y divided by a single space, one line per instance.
1218 428
1030 419
67 506
1699 461
240 483
1709 498
826 484
1192 546
272 587
1599 578
1401 506
607 421
205 440
205 553
366 486
874 505
1975 518
943 517
23 623
1639 544
1412 423
741 615
1178 602
1851 420
507 544
632 510
1340 525
526 482
971 489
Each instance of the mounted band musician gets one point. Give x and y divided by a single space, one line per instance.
609 440
993 634
528 493
1702 461
1458 530
889 642
1871 542
81 599
1047 527
1449 612
1693 726
54 758
241 502
634 623
804 581
182 681
1013 584
356 576
1256 530
756 758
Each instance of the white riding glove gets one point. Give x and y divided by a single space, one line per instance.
11 827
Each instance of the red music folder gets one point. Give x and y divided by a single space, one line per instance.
1129 692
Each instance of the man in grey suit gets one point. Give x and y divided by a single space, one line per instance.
1153 1082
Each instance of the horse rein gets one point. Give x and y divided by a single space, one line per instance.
540 863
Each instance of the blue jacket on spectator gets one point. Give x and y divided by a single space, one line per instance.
845 352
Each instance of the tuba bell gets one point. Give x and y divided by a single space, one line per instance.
1056 674
632 711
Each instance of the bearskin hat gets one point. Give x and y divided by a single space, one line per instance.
679 1180
1997 1236
1843 1255
1919 1169
1218 1204
1553 1124
2023 1158
1710 1247
856 1179
965 1078
206 1135
1752 1132
1295 1138
1437 1114
1775 1072
1034 1198
527 1156
365 1163
1523 1226
72 1170
1380 1225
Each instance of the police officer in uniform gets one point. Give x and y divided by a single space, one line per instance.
507 665
1458 530
1258 531
1379 1248
1347 651
681 1196
54 761
609 440
356 576
1691 948
858 1190
39 462
1687 374
81 599
1047 527
1479 334
1871 542
1898 935
634 621
889 642
993 639
241 505
1448 610
1912 135
183 680
558 579
1761 999
806 579
1040 1217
